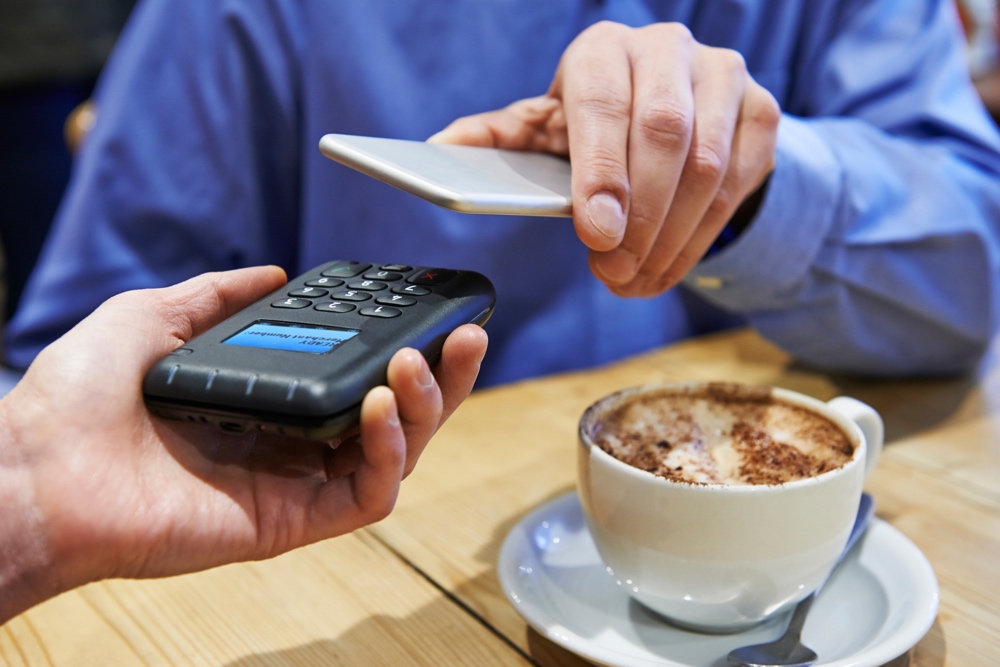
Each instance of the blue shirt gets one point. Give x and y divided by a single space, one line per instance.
875 249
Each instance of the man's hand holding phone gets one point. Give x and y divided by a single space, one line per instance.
667 137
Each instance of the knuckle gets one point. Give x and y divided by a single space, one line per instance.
644 225
648 277
605 170
604 105
605 29
381 509
649 284
725 64
131 299
708 161
686 258
672 276
610 27
732 61
722 206
159 304
665 124
764 110
676 33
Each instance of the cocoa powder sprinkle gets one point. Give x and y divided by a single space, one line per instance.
725 434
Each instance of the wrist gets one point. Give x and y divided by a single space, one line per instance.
26 573
741 219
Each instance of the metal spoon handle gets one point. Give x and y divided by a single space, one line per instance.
866 509
788 649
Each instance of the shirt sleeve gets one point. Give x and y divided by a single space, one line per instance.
192 165
876 247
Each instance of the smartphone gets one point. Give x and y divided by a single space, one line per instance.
299 361
469 179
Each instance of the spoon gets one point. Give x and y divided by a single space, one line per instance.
788 650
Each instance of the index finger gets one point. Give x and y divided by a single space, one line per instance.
660 131
594 81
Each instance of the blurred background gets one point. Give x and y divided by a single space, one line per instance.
981 22
52 52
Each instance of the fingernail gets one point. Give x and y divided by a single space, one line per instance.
426 378
392 409
482 353
605 213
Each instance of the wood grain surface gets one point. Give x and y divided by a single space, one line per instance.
421 588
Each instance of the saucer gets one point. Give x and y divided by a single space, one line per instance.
875 607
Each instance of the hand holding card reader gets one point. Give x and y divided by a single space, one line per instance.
299 361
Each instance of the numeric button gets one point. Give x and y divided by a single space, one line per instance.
381 311
382 275
396 300
335 307
367 285
351 295
292 303
412 290
325 281
308 292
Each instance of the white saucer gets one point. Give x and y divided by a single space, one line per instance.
878 605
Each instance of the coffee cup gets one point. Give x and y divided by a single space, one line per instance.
742 538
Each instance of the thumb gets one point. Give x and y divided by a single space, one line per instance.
200 303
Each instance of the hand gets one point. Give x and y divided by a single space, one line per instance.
666 136
93 486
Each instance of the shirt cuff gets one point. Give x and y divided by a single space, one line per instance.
761 269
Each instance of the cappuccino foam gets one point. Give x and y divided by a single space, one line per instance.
723 434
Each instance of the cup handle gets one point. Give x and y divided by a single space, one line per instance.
870 423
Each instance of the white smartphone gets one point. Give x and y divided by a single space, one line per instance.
462 178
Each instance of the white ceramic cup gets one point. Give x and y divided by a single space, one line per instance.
717 557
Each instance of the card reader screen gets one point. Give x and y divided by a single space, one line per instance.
291 337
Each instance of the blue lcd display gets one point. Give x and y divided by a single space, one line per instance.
291 337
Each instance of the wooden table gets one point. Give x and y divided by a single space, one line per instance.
421 587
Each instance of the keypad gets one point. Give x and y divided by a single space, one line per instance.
343 287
